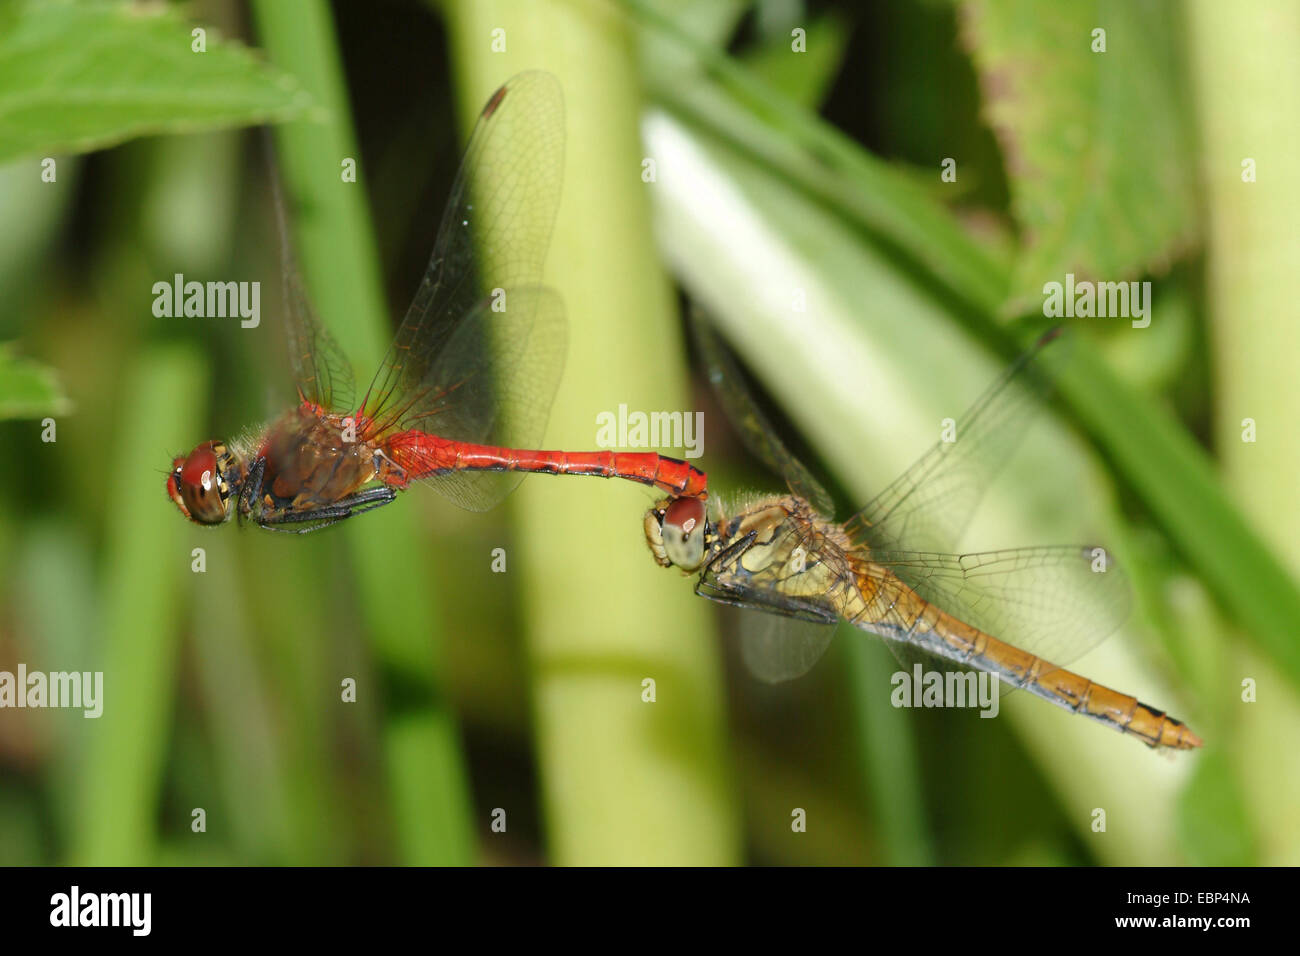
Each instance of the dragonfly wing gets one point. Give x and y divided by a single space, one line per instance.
789 575
929 506
494 236
747 418
320 369
505 403
1054 602
777 649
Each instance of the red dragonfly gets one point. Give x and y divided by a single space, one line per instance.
468 382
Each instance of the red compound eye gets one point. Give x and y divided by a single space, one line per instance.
195 485
202 461
684 515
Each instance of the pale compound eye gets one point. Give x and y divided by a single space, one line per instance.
684 525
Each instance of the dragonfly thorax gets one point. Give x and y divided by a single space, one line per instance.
201 483
783 540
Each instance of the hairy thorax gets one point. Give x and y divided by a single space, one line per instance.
792 544
314 458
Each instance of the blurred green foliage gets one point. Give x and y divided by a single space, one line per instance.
778 169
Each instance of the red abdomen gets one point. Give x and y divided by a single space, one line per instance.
420 455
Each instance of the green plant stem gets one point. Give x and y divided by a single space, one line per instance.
116 823
427 782
1247 79
624 780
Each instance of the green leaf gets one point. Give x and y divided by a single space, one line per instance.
804 77
738 108
82 77
1069 121
27 389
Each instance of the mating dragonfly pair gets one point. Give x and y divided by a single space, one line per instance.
437 413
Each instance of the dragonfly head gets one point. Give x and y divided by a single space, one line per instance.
678 532
199 483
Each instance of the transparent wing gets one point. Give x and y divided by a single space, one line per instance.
776 649
321 371
929 506
749 421
494 236
797 580
478 404
1054 602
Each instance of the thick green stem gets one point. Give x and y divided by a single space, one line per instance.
116 821
624 780
1248 85
337 251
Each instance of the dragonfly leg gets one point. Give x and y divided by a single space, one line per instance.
326 515
252 488
729 554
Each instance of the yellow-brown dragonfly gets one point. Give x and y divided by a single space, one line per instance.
889 569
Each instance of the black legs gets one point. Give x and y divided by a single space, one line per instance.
307 520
